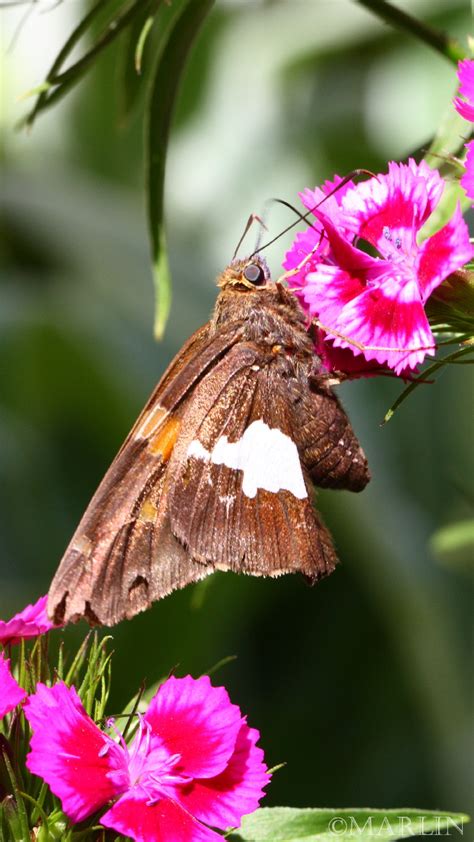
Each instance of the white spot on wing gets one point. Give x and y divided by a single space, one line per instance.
267 457
198 450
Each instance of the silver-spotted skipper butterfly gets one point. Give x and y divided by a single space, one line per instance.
218 471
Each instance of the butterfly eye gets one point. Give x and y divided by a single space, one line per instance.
255 274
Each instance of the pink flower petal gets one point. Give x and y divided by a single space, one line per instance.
466 78
387 211
163 821
223 800
328 290
467 181
319 198
464 109
331 287
391 324
345 254
447 250
11 693
314 239
82 766
348 361
196 721
30 622
466 89
374 303
303 245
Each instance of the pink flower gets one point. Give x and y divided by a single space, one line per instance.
30 622
377 302
11 693
314 238
465 107
467 181
193 762
342 360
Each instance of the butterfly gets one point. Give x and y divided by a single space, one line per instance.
218 472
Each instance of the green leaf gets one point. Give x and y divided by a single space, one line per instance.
288 824
18 816
454 544
452 195
447 144
176 44
133 60
450 137
57 84
142 39
222 663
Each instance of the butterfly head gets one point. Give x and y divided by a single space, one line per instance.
245 274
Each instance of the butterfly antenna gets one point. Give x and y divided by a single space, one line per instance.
252 218
263 220
304 217
301 217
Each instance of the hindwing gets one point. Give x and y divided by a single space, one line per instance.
241 499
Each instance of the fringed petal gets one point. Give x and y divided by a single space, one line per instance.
163 821
196 721
81 765
223 800
443 253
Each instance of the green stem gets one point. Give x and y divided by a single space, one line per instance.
449 47
39 810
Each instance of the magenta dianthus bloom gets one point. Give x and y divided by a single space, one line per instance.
11 693
193 762
314 239
465 107
377 302
30 622
467 180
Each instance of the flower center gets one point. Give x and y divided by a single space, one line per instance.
388 236
152 767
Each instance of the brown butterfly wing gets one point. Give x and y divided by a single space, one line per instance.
273 531
109 570
327 443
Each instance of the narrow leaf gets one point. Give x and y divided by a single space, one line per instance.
85 24
287 824
63 82
222 663
142 39
20 804
428 372
133 61
169 67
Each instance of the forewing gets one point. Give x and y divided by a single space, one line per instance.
240 499
123 555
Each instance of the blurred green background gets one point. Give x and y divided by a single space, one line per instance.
360 685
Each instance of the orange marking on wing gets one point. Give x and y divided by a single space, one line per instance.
163 442
148 512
